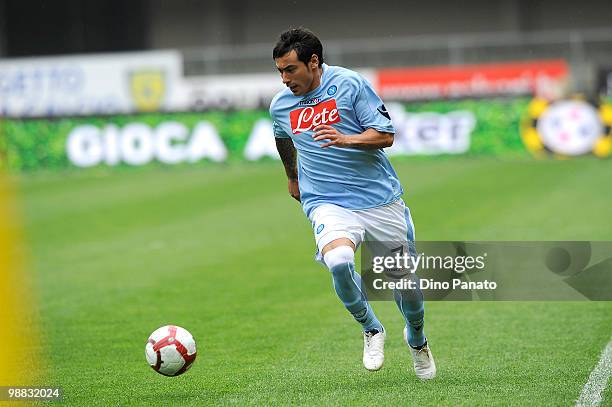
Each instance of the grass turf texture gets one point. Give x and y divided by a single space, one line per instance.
225 253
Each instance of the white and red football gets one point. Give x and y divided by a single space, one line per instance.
170 350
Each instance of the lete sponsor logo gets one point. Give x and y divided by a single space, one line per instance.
308 118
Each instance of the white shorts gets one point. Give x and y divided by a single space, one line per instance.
388 223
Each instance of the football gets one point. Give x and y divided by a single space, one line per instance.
170 350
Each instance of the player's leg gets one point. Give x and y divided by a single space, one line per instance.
338 234
392 224
410 302
339 257
412 306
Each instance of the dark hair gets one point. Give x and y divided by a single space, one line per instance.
303 41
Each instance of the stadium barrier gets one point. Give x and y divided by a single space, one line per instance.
503 127
137 82
477 127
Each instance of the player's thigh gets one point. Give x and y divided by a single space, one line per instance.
391 225
387 223
334 226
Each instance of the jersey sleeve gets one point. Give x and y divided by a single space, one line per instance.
370 109
278 131
276 128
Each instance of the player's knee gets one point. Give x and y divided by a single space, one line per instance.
413 298
339 256
334 244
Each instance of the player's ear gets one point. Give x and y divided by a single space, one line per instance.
314 61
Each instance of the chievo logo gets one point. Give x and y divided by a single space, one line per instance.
308 118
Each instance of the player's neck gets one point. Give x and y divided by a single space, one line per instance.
316 82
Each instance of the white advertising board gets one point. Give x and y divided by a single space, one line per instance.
91 84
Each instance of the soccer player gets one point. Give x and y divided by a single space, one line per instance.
330 129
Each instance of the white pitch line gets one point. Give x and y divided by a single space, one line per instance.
592 392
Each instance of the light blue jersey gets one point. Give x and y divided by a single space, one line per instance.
348 177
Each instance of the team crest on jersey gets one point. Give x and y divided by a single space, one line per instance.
331 91
307 118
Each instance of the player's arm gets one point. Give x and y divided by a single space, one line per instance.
372 116
288 156
369 139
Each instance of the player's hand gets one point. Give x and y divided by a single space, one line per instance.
294 189
325 132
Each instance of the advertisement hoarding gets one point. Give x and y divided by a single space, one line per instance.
123 83
473 127
546 79
91 84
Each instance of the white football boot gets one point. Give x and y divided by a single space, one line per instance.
424 365
373 350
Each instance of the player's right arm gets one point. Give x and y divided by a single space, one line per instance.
288 156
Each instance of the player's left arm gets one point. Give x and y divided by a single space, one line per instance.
372 116
369 139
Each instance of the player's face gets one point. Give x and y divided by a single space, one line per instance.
301 78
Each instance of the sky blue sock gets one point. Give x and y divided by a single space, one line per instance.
412 307
347 284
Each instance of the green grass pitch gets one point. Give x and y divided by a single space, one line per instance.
224 252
